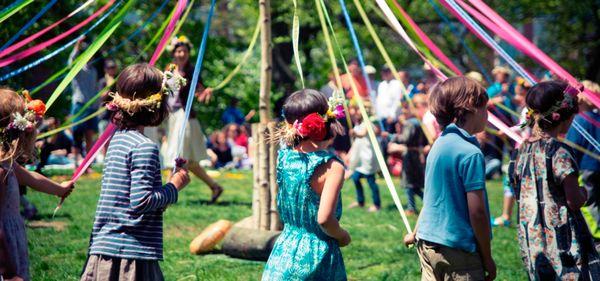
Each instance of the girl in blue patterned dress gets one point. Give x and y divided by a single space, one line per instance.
555 241
310 179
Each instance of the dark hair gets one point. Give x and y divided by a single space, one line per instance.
451 100
543 96
304 102
179 44
140 81
353 61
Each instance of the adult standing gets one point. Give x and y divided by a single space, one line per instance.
355 75
84 87
387 104
194 142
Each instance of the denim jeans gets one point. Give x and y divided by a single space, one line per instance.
360 195
410 193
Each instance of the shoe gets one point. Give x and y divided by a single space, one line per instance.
500 221
374 209
356 205
216 193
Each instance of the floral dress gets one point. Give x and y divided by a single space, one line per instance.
555 241
302 251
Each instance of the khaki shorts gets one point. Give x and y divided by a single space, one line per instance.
439 262
103 268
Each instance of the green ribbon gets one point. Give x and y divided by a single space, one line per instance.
6 14
81 61
67 126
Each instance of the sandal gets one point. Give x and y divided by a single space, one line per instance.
216 193
500 221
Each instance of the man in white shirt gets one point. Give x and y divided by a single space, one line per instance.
387 105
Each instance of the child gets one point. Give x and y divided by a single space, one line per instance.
363 164
310 179
411 143
555 241
127 237
18 118
454 231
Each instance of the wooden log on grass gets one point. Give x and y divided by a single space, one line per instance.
246 243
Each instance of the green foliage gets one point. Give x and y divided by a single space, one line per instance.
376 252
569 31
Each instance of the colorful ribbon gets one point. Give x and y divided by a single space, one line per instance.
194 82
245 57
512 36
295 36
43 31
60 74
456 33
13 8
111 128
170 27
59 50
426 40
67 126
81 61
44 45
324 17
158 52
29 24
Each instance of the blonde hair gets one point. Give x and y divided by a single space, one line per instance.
16 145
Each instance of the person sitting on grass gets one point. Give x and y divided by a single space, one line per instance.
453 230
127 237
310 179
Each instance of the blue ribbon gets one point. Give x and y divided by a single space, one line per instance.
28 24
456 33
11 6
194 83
359 55
59 50
129 38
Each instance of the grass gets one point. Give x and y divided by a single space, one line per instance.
376 252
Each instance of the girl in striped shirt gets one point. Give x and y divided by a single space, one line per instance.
127 236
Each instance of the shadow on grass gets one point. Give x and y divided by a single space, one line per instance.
218 203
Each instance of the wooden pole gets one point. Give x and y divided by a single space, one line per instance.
273 147
256 182
264 111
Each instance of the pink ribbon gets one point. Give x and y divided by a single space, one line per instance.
432 46
42 46
41 32
112 128
508 33
168 31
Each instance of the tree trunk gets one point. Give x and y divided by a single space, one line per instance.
263 174
275 223
255 173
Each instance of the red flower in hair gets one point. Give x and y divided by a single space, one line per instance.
313 127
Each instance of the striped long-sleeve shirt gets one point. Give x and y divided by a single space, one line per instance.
128 221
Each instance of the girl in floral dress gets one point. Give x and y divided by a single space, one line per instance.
310 179
554 239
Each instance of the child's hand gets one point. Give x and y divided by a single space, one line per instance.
66 189
410 239
180 179
345 239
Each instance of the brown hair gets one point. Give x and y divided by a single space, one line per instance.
451 100
16 144
139 81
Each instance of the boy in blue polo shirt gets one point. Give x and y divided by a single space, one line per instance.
453 231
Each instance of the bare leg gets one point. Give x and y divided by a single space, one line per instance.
507 207
197 170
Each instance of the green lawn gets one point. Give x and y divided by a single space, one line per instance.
376 252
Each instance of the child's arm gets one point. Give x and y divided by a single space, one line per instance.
576 196
146 196
333 172
42 183
480 222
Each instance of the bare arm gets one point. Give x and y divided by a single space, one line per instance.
42 183
333 175
576 196
481 228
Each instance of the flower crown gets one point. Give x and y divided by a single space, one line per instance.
171 82
568 101
26 121
312 126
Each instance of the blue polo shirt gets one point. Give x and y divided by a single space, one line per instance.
455 166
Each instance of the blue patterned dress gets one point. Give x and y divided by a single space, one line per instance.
302 251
